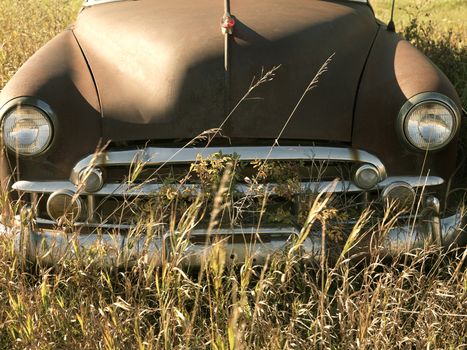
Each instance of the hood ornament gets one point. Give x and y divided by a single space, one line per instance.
227 24
228 21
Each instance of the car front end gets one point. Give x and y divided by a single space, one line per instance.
119 133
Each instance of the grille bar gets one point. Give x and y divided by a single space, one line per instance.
162 156
149 189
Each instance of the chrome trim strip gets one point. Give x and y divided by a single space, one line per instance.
43 186
148 189
89 3
273 231
50 246
159 156
95 225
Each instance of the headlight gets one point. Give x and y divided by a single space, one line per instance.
429 121
27 130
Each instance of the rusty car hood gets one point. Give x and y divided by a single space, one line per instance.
159 67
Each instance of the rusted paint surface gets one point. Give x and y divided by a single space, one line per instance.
159 66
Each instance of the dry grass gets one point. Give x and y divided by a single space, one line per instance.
296 301
447 14
416 301
26 26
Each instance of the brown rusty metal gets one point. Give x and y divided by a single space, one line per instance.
165 78
395 72
58 74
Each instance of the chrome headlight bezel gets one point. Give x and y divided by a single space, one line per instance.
43 108
420 100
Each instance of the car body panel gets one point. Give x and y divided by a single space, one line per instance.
174 86
395 72
58 74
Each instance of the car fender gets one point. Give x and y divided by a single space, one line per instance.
58 75
396 71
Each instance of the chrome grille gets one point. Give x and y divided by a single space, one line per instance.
316 169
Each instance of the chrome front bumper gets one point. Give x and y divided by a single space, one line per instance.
51 246
118 249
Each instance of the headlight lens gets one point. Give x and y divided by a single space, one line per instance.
429 121
27 130
429 126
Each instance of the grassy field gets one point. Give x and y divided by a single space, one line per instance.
26 26
414 301
437 27
447 14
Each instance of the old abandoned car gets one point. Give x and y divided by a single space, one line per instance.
149 103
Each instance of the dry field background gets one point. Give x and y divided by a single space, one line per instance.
413 301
